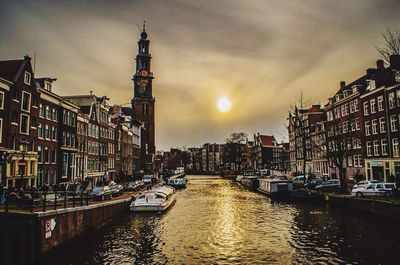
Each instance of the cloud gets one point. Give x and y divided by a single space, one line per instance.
258 53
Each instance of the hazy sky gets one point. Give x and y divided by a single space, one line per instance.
260 54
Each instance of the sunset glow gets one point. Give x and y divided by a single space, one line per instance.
224 104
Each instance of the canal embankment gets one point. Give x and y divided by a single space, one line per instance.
26 236
385 207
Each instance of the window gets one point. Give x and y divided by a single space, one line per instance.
53 133
24 125
391 100
355 105
1 100
350 161
345 126
398 98
380 103
356 159
366 108
353 125
47 132
26 101
374 126
53 156
1 130
351 106
393 123
47 112
27 78
40 130
372 105
41 110
369 149
357 124
376 148
367 128
46 158
395 146
384 146
53 114
382 124
65 165
40 155
371 85
47 86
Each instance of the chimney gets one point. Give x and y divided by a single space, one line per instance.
26 57
370 72
395 61
379 65
342 84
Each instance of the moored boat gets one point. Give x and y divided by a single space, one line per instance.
275 187
158 199
177 183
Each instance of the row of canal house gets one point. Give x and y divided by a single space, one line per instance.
49 139
367 111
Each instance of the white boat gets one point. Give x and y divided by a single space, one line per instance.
275 186
158 199
245 173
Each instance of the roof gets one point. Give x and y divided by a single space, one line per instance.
267 140
9 69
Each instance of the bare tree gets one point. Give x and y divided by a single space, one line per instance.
333 141
391 46
302 134
234 148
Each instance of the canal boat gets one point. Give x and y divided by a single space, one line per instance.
275 186
177 183
154 200
245 173
228 174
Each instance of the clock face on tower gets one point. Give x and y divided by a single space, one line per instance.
142 83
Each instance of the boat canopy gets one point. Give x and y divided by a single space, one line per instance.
167 190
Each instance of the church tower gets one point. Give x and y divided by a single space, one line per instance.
143 101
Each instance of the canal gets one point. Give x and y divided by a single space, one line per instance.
216 222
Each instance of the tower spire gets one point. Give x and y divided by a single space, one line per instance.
144 25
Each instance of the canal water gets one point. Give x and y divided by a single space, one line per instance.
214 221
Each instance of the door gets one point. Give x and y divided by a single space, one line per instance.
377 173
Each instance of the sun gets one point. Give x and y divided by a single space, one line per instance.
224 104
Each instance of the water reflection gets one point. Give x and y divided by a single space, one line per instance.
216 222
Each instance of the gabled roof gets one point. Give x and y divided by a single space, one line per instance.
10 69
267 140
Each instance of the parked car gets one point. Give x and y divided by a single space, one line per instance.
374 189
364 183
116 189
148 179
329 185
101 193
134 185
313 184
298 181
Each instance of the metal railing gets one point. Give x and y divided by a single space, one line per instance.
44 200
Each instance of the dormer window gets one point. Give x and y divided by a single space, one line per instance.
371 85
47 86
27 78
355 89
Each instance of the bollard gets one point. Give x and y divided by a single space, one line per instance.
81 197
6 198
65 199
55 199
32 202
87 198
44 200
73 199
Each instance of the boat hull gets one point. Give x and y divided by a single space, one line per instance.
276 194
